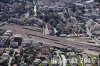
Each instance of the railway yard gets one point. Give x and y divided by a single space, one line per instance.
51 40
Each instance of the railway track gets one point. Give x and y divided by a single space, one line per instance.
63 42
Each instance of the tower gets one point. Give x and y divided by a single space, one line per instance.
46 30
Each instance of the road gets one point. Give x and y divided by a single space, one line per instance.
50 40
94 39
11 58
97 41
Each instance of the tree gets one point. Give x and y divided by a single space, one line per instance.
68 63
79 60
99 55
97 1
